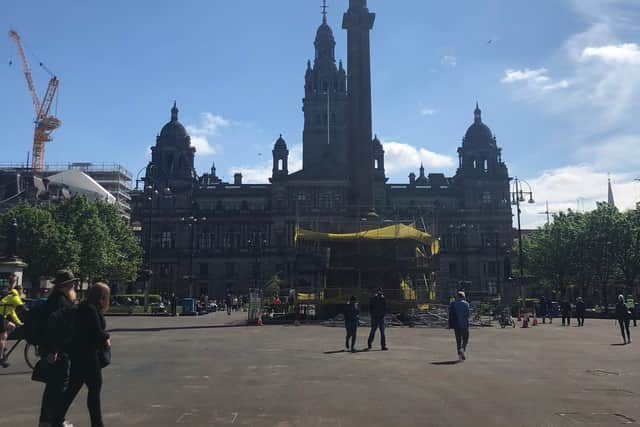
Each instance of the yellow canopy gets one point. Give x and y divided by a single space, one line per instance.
391 232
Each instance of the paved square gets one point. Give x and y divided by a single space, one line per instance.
201 372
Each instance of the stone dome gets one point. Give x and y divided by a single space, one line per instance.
479 133
174 130
280 144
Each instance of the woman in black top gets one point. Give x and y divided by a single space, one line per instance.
62 297
624 318
89 339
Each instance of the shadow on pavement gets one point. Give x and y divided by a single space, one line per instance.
177 328
15 373
448 362
618 344
335 351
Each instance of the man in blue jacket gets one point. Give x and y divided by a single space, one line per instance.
459 322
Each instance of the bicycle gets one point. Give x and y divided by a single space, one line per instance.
30 352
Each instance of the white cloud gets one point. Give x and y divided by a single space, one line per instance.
626 53
210 126
576 187
538 76
619 152
449 61
404 157
426 111
260 173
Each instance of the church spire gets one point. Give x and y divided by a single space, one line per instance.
610 200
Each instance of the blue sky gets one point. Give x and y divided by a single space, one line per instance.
559 84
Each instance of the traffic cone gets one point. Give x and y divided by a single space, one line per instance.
525 322
260 320
519 315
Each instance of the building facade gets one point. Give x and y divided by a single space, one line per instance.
202 235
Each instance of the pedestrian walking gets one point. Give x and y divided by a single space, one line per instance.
543 309
581 309
566 312
631 305
174 304
56 356
377 310
9 319
90 351
351 320
624 318
459 322
550 309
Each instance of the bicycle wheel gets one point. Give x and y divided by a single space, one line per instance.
31 355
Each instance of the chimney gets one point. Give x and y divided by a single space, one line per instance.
412 178
237 179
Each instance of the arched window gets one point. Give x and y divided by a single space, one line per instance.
486 165
280 164
475 164
376 164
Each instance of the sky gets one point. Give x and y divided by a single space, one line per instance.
558 82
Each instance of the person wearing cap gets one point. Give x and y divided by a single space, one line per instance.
9 319
459 322
62 296
351 320
377 310
581 309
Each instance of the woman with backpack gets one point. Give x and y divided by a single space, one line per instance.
55 365
90 351
9 320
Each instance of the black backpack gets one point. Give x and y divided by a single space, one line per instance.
35 322
61 326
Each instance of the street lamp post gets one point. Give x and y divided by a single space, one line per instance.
191 222
518 196
257 242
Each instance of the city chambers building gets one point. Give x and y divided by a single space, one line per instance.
205 236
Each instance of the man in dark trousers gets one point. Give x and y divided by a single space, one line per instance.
459 322
543 309
566 312
351 320
581 309
377 310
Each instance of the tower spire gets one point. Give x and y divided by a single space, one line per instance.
477 114
324 11
610 200
174 112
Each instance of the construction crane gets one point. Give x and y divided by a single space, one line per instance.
44 123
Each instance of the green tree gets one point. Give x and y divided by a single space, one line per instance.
126 261
44 244
109 251
627 255
602 245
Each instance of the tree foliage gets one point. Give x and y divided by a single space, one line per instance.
91 238
595 249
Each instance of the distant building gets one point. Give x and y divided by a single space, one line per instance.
202 235
113 178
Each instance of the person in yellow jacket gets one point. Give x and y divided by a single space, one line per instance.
8 317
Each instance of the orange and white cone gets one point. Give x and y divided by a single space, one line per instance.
535 318
260 320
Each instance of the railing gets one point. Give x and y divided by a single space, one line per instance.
85 167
